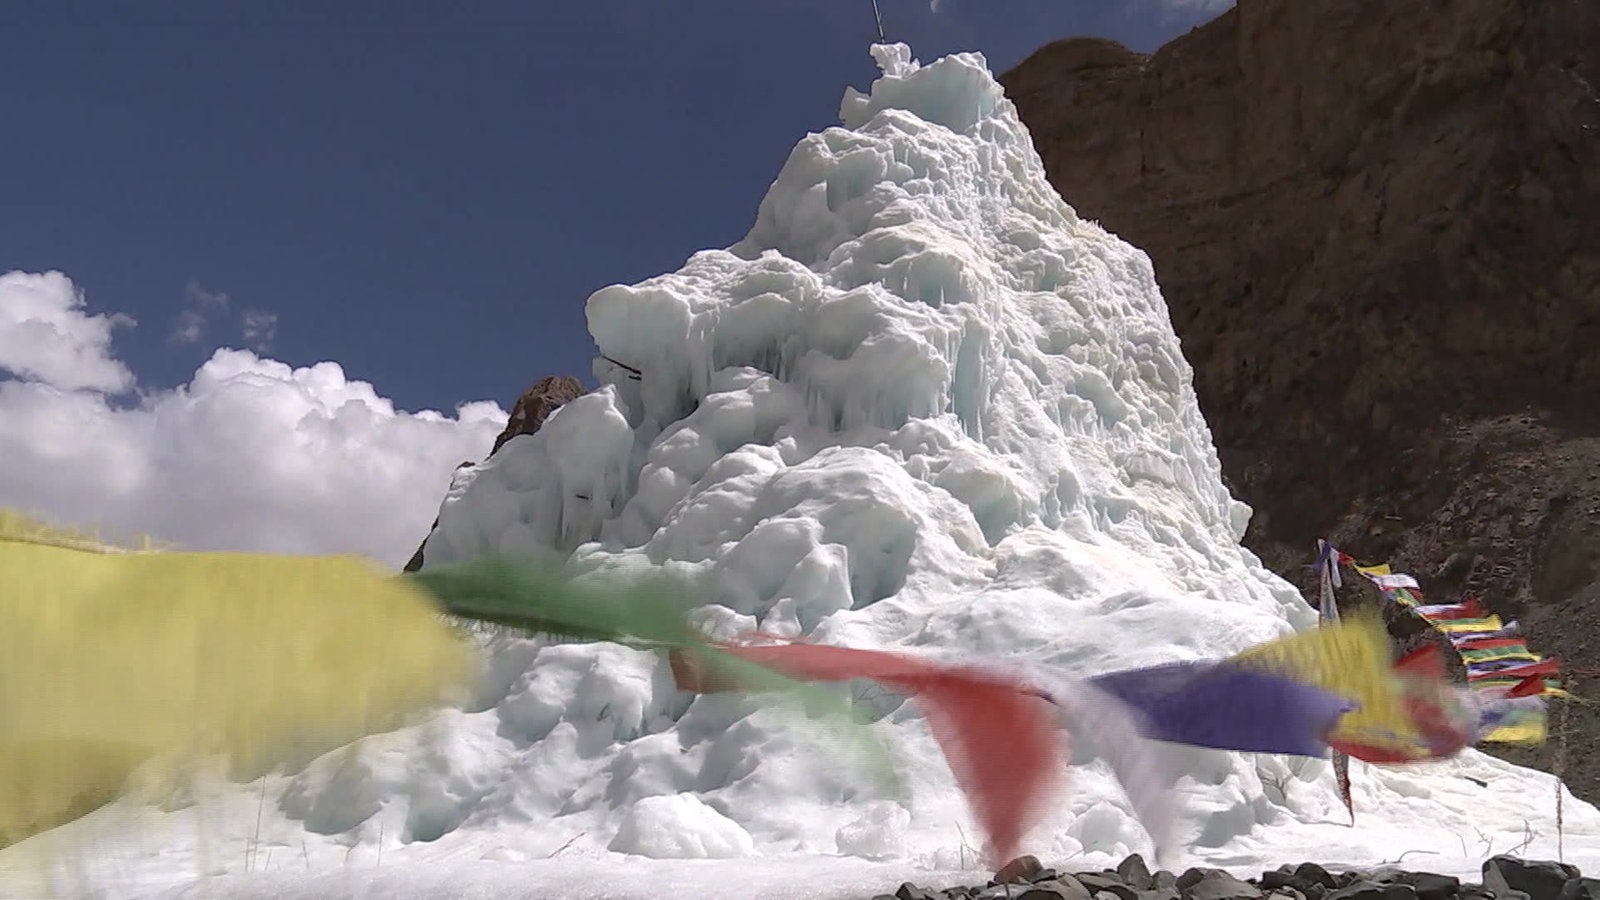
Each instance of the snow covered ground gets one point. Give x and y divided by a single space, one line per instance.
923 406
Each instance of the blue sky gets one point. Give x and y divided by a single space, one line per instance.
427 192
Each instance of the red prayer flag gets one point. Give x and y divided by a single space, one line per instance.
997 737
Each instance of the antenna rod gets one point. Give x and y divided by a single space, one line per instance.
879 16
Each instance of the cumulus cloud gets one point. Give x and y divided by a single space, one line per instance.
251 454
46 334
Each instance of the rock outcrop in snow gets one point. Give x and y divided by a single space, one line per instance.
547 395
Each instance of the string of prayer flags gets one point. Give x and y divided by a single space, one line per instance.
1500 667
1334 686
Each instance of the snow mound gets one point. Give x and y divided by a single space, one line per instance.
922 406
877 834
680 826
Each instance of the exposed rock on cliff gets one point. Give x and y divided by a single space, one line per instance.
1377 226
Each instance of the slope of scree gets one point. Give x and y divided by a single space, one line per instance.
922 405
1377 227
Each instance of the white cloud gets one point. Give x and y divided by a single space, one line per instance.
250 455
203 306
213 301
189 328
46 334
259 329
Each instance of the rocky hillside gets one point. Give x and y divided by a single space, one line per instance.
1377 225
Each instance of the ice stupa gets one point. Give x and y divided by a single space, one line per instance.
922 405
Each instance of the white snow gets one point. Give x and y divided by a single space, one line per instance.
679 826
922 405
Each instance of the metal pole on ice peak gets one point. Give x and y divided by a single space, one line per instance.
879 17
1560 770
1328 614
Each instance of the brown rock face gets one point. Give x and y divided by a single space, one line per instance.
1377 226
536 404
527 417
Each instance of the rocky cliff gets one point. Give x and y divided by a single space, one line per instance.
1377 226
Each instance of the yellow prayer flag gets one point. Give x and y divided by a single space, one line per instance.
1529 731
1351 659
1487 625
109 658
